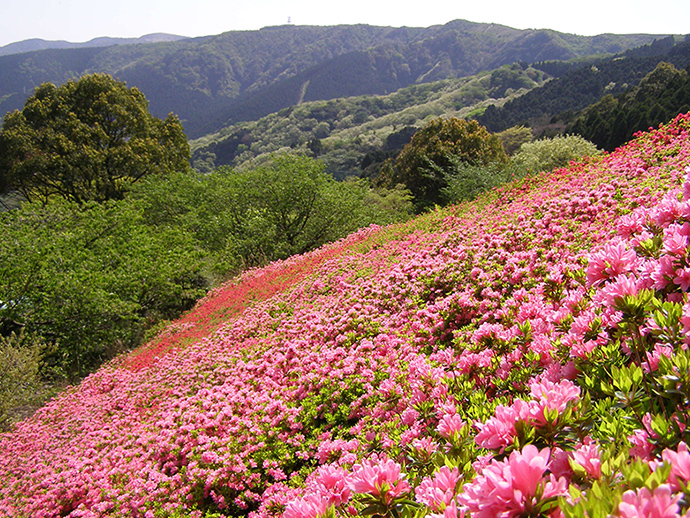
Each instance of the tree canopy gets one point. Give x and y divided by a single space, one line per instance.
436 148
88 139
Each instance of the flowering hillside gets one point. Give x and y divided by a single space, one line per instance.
521 355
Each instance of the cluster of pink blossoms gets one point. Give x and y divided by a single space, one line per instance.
341 380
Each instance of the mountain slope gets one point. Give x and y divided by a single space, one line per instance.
584 85
366 359
243 75
342 131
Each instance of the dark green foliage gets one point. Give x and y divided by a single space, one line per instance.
580 87
86 140
660 96
437 149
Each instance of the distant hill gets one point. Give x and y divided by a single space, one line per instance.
214 81
350 133
582 84
40 44
354 135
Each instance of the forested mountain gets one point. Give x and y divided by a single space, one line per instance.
213 81
351 133
659 97
580 86
354 133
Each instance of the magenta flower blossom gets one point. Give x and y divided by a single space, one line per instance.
509 488
588 456
450 424
615 259
498 431
451 511
680 465
644 503
331 483
309 506
438 492
382 478
555 396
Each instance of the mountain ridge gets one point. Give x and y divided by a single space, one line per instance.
35 44
242 75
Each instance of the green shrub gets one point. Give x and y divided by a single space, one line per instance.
548 154
464 182
21 388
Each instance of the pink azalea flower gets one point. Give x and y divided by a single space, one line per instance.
588 456
528 467
653 357
381 478
555 396
331 484
425 447
615 259
451 511
498 431
646 504
680 465
508 488
438 492
641 447
682 278
675 242
309 506
664 273
622 285
449 425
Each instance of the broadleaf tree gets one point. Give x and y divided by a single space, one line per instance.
88 139
434 150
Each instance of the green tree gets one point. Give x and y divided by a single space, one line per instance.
89 280
88 139
248 218
299 207
434 150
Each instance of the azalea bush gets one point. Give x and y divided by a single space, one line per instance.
521 355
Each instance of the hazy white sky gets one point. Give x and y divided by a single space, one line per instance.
82 20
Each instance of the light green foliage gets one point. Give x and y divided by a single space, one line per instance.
465 182
86 140
21 390
548 154
91 279
513 138
248 218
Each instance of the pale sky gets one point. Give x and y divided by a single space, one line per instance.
82 20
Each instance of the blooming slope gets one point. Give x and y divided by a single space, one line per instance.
521 355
